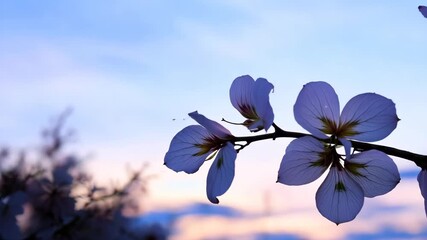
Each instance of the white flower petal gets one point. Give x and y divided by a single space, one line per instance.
221 173
339 198
374 171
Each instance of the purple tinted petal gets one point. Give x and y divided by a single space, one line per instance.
422 181
425 206
221 173
183 153
423 10
339 198
374 171
213 127
241 95
261 101
347 146
369 117
302 162
305 144
317 107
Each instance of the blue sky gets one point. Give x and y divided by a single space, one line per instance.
128 68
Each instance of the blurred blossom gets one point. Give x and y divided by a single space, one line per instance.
48 188
61 171
10 207
52 202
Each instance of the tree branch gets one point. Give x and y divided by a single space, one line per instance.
418 159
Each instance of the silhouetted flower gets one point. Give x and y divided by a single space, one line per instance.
251 99
51 198
366 117
195 144
341 195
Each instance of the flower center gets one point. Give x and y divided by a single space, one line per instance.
248 112
341 130
209 144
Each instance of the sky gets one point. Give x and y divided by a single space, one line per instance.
132 71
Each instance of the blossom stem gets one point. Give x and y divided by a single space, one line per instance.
419 159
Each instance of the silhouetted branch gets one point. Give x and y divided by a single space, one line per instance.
418 159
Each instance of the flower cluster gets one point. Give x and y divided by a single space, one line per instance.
353 173
195 144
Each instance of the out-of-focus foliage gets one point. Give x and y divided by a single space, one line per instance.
48 195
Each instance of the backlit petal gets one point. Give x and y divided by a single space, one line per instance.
183 153
221 173
423 10
261 91
213 127
339 198
422 181
372 117
317 108
374 171
241 95
303 162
